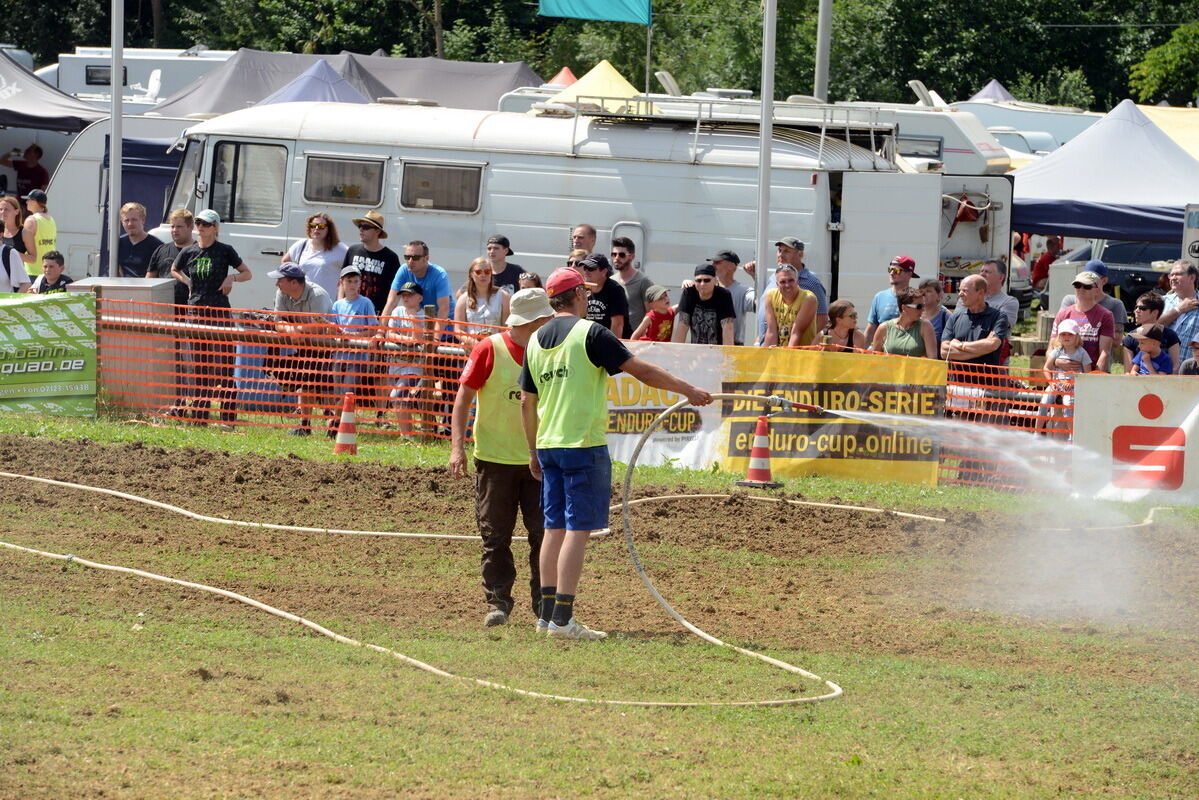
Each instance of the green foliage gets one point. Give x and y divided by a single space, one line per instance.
1168 71
1061 87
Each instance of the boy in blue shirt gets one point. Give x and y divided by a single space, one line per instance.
1151 359
355 315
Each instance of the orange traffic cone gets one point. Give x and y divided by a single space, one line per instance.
758 476
347 429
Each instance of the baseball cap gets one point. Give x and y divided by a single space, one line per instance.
371 218
1154 332
350 270
36 195
1096 266
906 263
528 305
502 241
790 241
209 216
654 292
288 270
412 287
596 261
705 269
1087 278
726 255
563 280
1068 326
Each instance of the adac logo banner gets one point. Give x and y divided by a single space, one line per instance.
873 434
48 353
1141 433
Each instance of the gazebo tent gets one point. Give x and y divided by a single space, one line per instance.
1122 178
26 101
251 75
994 90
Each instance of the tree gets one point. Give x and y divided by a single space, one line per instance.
1168 71
1058 87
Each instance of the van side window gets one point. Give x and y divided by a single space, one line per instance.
920 146
441 187
343 180
248 182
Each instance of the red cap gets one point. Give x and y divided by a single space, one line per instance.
563 280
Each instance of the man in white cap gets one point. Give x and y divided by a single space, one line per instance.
564 388
503 481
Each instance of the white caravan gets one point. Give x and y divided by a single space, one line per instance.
78 187
1063 123
150 74
681 189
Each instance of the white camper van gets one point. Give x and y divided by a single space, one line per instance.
681 189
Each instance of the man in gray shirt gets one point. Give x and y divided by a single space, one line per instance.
726 263
304 372
635 282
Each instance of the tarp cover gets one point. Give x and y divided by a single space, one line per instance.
26 101
251 75
994 90
320 83
1122 178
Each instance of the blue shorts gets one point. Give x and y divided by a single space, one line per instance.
576 487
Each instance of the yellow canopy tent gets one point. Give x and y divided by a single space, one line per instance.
1180 124
603 88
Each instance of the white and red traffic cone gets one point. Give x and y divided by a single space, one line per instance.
758 476
347 429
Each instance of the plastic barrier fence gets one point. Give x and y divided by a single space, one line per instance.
261 368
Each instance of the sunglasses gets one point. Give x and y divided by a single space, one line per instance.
1078 285
895 270
594 269
573 263
916 306
482 272
703 280
204 224
1142 308
366 226
622 255
412 256
317 226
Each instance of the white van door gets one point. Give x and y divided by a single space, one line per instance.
247 186
883 215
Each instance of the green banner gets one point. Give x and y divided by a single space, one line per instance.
48 353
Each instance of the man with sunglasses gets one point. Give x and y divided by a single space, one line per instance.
1119 312
1147 313
635 282
608 305
432 279
1096 325
377 263
885 305
705 310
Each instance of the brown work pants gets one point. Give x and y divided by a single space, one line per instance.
500 490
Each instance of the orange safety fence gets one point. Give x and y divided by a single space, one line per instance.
285 370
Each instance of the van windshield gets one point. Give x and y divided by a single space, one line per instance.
183 193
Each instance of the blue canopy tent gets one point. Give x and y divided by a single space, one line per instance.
1122 178
320 83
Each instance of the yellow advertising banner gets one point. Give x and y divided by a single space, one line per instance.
871 427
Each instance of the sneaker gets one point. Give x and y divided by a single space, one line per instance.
574 630
543 626
495 616
301 432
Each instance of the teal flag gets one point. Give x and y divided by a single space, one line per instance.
614 10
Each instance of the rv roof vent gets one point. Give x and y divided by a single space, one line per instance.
407 101
730 94
804 98
558 109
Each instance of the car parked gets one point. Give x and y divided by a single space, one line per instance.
1133 267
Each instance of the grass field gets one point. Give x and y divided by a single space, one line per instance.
120 687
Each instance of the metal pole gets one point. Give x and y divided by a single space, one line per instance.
824 29
765 137
115 141
649 38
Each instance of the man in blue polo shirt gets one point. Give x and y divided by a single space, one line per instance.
433 280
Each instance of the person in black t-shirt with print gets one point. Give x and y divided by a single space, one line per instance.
608 304
210 268
705 311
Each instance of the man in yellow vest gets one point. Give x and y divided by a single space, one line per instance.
564 388
503 482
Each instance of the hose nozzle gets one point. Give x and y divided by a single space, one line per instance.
787 405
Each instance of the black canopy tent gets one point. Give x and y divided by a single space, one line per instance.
26 101
251 75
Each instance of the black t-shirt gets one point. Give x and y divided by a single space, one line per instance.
704 316
608 302
40 286
968 326
510 278
134 259
378 267
15 242
207 267
160 263
604 349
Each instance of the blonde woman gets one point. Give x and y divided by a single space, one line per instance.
10 223
481 307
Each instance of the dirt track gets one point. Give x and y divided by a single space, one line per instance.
881 582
